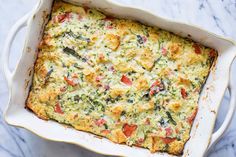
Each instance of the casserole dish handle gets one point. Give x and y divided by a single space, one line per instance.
22 22
229 115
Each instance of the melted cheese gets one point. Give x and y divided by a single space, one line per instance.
118 78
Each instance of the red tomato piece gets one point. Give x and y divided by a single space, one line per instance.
63 89
126 80
58 109
197 48
184 93
62 17
167 140
169 131
192 117
156 87
152 92
70 82
109 27
163 51
100 122
156 83
129 129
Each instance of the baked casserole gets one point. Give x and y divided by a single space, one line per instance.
117 78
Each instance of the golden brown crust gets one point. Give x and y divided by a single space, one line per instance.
39 110
118 78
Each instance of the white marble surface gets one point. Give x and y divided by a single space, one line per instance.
218 16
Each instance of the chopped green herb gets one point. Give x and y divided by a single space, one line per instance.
72 52
170 118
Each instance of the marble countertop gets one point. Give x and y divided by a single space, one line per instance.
218 16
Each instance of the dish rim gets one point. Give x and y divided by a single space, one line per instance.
29 22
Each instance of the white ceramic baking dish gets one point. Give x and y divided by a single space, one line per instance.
19 82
